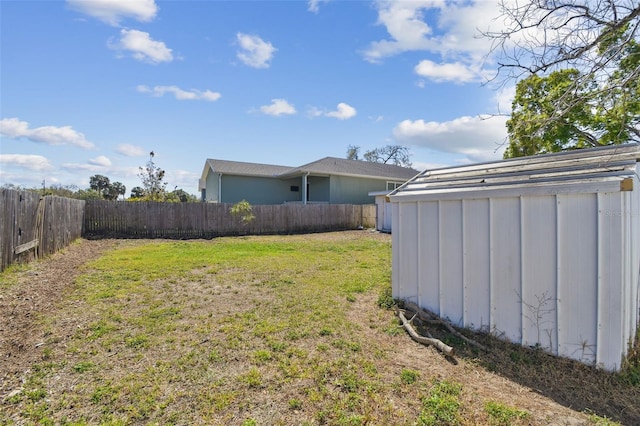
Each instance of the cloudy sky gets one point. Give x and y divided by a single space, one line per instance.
91 87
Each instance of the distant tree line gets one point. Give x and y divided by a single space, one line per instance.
101 188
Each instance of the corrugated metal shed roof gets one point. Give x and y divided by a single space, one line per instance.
603 167
325 166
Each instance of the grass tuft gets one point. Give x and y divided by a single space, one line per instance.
409 377
442 406
502 415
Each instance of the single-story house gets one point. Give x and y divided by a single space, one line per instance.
542 250
328 180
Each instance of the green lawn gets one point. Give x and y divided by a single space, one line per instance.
243 331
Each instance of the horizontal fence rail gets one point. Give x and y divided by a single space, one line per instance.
125 219
32 226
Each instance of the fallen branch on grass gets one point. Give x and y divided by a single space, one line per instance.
433 319
447 350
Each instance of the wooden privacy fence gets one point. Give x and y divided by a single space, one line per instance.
33 226
206 220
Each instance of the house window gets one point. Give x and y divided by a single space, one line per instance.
393 185
295 188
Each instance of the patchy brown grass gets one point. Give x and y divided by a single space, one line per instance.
260 330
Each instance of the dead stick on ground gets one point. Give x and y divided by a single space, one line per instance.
433 319
447 350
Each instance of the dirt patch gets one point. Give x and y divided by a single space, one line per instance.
24 306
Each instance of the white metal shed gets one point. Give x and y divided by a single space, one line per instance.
541 250
383 211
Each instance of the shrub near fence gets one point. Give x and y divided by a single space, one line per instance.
33 226
206 220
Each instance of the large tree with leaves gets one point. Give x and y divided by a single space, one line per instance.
578 66
102 185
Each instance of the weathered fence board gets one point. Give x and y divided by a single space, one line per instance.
206 220
26 217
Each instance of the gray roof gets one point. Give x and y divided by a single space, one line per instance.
342 166
246 169
325 166
597 166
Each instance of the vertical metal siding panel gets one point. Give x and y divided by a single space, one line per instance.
610 326
630 220
387 215
408 252
395 250
634 234
506 312
578 276
628 315
451 262
429 256
477 295
420 254
539 267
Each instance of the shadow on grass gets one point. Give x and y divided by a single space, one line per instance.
573 384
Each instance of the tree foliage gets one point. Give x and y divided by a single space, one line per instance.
102 185
578 62
99 182
68 191
182 196
137 192
155 189
390 154
353 152
88 194
243 211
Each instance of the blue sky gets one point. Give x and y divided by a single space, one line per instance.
91 87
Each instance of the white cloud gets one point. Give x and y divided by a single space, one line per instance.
113 11
278 107
130 150
143 47
456 27
181 94
314 5
51 135
480 139
101 161
447 30
344 112
405 24
504 99
455 72
420 165
29 162
255 52
91 168
183 179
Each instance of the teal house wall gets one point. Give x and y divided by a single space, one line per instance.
259 190
354 190
329 180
